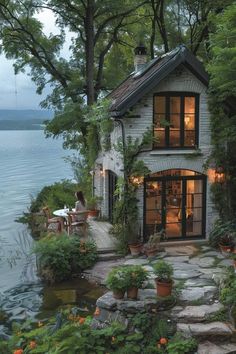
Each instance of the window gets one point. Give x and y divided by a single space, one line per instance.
175 120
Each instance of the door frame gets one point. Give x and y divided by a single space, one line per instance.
112 181
163 179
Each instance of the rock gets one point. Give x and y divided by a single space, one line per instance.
107 301
211 348
197 313
200 330
181 250
213 254
176 259
197 282
185 274
148 268
136 261
202 261
225 263
204 293
107 316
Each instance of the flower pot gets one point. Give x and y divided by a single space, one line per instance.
135 249
226 248
163 288
151 252
118 294
132 293
93 213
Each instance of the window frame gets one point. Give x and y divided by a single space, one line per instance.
182 95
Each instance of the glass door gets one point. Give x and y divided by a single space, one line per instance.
176 204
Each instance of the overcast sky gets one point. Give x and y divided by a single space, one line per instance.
18 91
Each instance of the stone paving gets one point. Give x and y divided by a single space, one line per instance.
197 273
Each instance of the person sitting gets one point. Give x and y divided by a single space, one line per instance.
78 218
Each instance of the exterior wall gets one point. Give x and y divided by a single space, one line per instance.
159 160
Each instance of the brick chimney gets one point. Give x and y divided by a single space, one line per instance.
140 57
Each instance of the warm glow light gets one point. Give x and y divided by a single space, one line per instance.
136 180
216 175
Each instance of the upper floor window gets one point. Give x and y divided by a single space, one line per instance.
176 120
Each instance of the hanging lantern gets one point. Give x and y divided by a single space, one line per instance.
219 175
136 180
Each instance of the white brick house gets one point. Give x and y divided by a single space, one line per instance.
168 95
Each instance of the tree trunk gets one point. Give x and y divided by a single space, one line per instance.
89 48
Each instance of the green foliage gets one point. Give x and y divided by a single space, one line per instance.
179 345
60 257
117 279
222 232
135 275
119 232
228 288
55 196
163 270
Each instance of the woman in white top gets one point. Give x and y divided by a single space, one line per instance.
80 205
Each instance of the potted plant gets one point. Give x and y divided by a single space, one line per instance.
117 282
134 239
92 206
226 242
136 275
152 246
164 282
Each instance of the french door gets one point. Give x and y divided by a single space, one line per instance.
112 181
177 204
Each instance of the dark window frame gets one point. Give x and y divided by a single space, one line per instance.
182 95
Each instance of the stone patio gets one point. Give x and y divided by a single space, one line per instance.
197 273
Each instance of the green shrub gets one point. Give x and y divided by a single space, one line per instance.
117 279
163 271
60 256
222 230
120 234
179 345
136 275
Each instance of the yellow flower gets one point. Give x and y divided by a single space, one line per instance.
40 324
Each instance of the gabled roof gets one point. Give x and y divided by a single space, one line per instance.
139 83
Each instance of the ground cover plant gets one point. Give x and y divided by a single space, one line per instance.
60 257
71 333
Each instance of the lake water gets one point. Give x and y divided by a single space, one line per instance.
28 162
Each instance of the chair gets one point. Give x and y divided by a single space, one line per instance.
53 224
77 220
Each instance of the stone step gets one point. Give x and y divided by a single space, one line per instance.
108 256
212 348
213 330
195 314
105 250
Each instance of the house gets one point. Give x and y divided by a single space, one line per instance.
169 96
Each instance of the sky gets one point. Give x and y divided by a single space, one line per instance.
18 91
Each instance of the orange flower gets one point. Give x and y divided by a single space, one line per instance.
32 344
97 311
82 320
18 351
163 341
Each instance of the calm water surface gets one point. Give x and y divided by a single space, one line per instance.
28 162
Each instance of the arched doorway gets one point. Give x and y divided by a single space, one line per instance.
175 200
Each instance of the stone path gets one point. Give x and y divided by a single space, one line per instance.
198 313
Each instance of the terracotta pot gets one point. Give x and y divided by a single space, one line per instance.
226 248
135 249
151 252
163 289
118 294
132 293
93 213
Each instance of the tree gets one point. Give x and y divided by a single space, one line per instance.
222 69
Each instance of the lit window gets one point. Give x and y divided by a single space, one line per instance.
175 120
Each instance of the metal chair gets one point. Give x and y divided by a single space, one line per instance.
77 220
52 224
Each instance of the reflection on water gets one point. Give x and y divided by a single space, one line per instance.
37 302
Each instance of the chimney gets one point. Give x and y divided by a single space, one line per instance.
140 57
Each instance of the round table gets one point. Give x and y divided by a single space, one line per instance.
63 213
